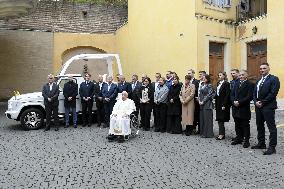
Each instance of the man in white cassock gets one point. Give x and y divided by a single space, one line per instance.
120 117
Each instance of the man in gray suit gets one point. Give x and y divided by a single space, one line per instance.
50 93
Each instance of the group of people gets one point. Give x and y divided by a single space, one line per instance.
178 106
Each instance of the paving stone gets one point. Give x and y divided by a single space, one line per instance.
83 158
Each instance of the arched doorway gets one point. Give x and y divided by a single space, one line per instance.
95 67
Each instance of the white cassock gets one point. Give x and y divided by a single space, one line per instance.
120 124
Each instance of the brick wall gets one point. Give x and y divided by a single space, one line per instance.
68 17
25 59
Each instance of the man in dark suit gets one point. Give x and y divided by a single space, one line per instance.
87 92
134 95
233 83
241 98
154 86
265 93
195 82
50 93
109 94
123 85
70 91
99 100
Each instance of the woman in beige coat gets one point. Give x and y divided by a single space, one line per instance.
187 101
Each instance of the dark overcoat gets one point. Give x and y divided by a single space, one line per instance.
243 94
175 107
70 89
223 100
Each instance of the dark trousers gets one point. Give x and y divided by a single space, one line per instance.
108 106
137 105
174 124
196 124
268 116
87 107
242 129
145 114
161 116
51 111
154 114
100 112
221 128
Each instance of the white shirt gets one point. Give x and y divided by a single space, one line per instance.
156 85
134 85
199 87
260 83
50 86
101 84
108 86
123 107
219 87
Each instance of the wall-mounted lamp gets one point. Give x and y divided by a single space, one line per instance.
254 30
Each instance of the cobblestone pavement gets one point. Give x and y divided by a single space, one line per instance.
82 158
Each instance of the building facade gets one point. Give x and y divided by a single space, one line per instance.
160 35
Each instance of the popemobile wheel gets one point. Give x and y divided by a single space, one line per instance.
32 119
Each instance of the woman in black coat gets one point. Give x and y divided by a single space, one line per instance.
174 108
222 103
146 95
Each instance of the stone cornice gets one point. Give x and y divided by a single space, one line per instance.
210 18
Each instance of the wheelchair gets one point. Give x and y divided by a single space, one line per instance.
134 127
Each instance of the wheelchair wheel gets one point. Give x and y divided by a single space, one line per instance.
134 125
134 122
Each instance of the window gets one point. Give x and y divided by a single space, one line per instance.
219 3
62 83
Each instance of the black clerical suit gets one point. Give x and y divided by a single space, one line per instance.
195 82
99 102
135 96
243 93
87 89
51 107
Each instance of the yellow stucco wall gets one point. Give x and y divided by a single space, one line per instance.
244 35
275 41
218 32
165 35
65 41
160 35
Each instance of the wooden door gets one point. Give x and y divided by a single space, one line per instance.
216 61
257 54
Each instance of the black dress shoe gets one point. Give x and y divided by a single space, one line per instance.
84 125
56 129
66 126
89 125
236 142
157 130
99 124
75 126
259 146
269 151
246 144
47 129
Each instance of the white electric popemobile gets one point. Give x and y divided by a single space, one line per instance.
29 108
